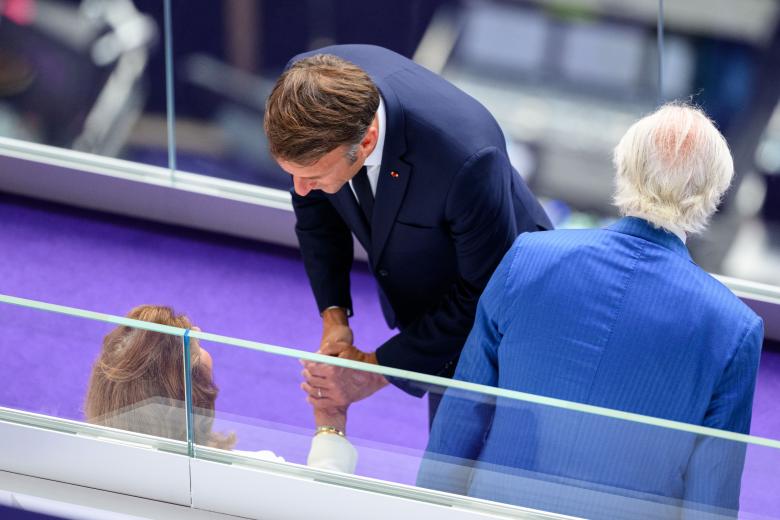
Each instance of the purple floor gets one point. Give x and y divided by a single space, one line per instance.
236 288
226 286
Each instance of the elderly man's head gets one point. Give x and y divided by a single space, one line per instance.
673 166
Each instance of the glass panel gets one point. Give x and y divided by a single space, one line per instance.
596 465
262 411
504 446
513 449
223 80
726 61
551 75
760 196
86 75
88 371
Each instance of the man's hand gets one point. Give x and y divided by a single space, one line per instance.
335 327
331 387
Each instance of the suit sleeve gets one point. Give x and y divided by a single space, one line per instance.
327 249
714 473
463 419
481 217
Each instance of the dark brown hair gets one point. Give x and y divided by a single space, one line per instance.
137 382
318 104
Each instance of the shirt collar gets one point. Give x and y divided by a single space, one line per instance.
679 233
375 158
641 228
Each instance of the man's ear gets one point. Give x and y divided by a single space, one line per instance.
371 137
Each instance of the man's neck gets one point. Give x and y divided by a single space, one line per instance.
671 228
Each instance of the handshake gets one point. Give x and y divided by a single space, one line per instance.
331 389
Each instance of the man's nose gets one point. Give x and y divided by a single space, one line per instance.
302 186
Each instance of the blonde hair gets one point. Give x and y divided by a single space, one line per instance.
672 168
137 382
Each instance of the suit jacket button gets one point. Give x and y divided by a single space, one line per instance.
382 272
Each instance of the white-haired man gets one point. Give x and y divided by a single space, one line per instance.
620 318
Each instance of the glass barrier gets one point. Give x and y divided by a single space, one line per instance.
549 74
731 71
505 446
489 447
262 404
222 80
127 375
86 75
90 75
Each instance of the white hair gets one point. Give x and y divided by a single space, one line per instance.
673 167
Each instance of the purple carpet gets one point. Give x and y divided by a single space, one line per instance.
237 288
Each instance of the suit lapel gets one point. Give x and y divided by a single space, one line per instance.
393 176
345 203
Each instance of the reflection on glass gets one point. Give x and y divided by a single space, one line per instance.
83 75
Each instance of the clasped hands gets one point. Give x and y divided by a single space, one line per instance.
332 389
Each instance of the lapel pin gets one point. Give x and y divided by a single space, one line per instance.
394 175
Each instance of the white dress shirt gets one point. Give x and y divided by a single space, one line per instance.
374 161
677 231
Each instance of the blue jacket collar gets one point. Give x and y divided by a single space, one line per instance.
641 228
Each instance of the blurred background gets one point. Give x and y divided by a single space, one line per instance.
565 79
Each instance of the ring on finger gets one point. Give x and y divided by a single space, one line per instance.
319 393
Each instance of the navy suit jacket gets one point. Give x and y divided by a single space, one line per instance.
441 223
619 318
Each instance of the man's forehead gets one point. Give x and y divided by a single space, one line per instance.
318 167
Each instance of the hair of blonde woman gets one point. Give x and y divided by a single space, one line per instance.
137 382
672 168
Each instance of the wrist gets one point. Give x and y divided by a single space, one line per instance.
380 381
335 418
329 430
334 316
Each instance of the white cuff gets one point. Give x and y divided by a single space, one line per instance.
332 452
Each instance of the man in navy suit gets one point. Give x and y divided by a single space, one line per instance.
380 147
619 318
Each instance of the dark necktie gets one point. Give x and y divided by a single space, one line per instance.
363 192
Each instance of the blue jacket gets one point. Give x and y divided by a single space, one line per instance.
619 318
441 222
